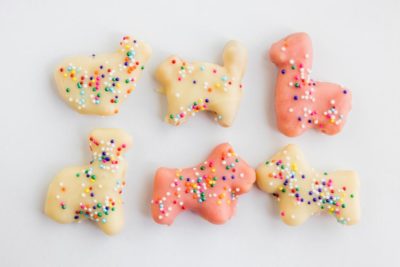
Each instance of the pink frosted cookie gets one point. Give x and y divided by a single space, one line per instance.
210 189
301 102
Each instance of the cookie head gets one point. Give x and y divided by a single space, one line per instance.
169 69
291 47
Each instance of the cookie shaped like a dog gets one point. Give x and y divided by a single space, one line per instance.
302 191
210 189
301 102
99 84
198 86
93 191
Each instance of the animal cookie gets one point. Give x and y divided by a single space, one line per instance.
98 84
301 102
93 191
210 189
301 191
198 86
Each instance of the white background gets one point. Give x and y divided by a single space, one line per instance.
356 43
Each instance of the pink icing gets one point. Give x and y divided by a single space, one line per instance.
301 102
210 189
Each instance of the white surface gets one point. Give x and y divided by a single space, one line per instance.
356 43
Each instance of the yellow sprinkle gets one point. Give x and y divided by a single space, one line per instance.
219 202
294 167
217 85
213 170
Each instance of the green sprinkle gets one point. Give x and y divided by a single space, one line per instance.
77 174
127 81
293 67
352 196
171 116
79 85
344 206
68 90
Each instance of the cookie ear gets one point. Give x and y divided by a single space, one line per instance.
235 58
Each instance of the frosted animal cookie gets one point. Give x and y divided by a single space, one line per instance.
99 84
301 102
210 189
198 86
301 191
93 191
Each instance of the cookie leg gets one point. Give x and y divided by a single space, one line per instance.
113 223
292 213
226 113
217 213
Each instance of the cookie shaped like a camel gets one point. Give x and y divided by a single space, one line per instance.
99 84
302 191
93 191
301 102
199 86
210 189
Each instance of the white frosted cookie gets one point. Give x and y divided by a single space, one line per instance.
302 191
198 86
98 84
93 191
